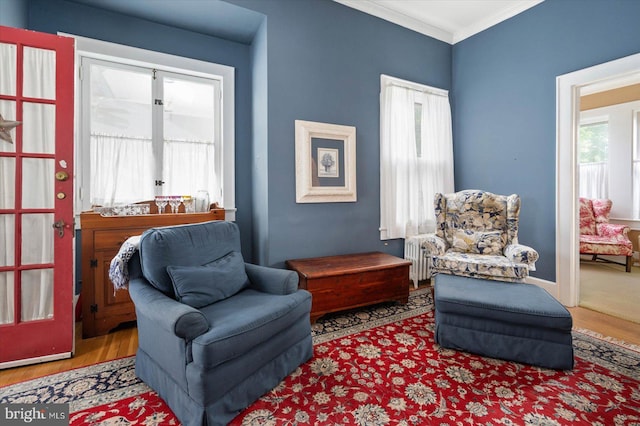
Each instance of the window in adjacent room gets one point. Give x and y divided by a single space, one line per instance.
416 155
636 165
152 124
593 154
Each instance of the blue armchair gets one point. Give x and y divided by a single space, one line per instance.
214 333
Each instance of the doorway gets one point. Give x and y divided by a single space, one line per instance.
568 89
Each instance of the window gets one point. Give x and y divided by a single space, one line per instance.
636 165
593 156
152 124
608 158
416 156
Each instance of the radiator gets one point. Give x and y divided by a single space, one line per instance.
419 265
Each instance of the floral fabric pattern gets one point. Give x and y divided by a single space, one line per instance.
597 235
467 241
587 218
477 236
498 268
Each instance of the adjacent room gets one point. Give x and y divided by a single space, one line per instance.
320 211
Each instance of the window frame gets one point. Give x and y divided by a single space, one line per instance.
112 52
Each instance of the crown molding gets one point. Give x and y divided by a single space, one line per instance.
492 20
398 18
371 7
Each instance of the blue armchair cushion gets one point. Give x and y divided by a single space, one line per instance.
200 286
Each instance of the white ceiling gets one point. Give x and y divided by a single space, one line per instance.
447 20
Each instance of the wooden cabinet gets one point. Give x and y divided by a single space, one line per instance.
101 238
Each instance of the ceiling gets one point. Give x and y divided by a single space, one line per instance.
447 20
450 21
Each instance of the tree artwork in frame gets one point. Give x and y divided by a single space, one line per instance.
325 162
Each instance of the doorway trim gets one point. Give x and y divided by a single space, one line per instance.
567 118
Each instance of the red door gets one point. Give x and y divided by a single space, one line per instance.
36 197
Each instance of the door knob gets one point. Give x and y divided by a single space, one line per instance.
60 225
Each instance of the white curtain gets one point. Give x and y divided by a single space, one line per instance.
594 180
409 181
37 187
115 162
636 190
199 156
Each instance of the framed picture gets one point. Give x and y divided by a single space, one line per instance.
325 163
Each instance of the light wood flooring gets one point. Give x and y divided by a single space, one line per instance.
124 342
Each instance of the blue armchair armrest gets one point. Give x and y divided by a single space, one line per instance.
520 253
272 280
168 314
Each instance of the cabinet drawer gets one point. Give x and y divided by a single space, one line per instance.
112 240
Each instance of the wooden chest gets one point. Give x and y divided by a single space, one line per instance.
349 281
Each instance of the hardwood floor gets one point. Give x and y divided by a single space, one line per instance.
124 342
117 344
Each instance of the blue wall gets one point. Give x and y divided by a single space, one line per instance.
504 101
324 62
13 13
58 15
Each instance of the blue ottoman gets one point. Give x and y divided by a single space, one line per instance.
511 321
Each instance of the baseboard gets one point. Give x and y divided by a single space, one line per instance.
550 286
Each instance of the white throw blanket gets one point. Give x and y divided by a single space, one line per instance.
118 270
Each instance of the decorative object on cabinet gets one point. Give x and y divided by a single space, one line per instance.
102 307
325 162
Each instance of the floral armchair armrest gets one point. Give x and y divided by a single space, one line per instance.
433 245
611 229
520 253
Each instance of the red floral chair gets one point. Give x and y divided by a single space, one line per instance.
599 237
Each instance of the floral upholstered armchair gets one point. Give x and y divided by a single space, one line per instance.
477 236
599 237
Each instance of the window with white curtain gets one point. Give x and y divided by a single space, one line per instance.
416 156
153 124
636 165
593 157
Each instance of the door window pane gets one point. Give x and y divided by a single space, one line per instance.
8 69
6 297
7 230
8 112
7 182
37 238
36 294
39 73
38 128
38 183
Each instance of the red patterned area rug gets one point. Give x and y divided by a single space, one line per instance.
380 366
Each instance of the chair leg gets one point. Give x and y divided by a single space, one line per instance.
629 263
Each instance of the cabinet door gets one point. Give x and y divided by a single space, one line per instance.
112 307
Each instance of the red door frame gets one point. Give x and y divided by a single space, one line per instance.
41 340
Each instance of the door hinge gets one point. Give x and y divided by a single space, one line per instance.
158 102
159 182
94 263
94 308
